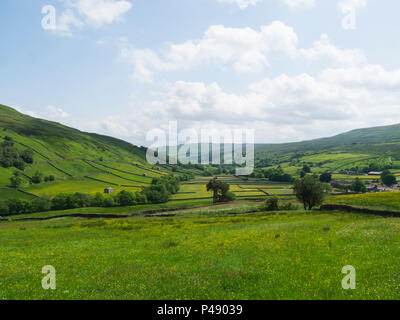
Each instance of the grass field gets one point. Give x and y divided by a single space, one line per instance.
203 255
383 200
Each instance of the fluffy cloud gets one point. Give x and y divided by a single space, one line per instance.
299 3
284 108
94 13
244 49
54 113
346 5
243 4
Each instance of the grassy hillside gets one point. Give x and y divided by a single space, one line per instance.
379 146
79 161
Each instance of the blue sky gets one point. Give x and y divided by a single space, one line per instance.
290 69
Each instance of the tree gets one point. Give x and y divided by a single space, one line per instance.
126 198
325 177
220 190
306 168
37 178
27 156
358 186
388 178
98 200
15 180
310 191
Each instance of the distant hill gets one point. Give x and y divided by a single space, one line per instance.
383 140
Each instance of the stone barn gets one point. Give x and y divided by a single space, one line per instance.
109 190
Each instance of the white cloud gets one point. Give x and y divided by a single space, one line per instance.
54 113
101 12
280 109
242 4
299 3
66 22
93 13
243 49
346 5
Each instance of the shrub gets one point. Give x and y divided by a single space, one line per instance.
37 178
325 177
272 204
4 209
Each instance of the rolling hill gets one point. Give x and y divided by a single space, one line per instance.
356 148
78 161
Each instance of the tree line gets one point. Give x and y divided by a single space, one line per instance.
159 191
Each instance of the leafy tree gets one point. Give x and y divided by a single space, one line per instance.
41 204
306 168
220 190
358 186
277 175
141 198
109 202
27 156
15 180
79 200
60 202
310 191
15 206
388 178
126 198
325 177
98 200
37 178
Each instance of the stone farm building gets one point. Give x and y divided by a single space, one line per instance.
108 190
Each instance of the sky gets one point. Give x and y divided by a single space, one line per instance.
289 69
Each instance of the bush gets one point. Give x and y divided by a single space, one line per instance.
3 209
325 177
272 204
37 178
229 196
288 207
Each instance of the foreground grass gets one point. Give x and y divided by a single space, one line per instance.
203 255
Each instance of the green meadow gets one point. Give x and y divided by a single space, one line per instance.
203 254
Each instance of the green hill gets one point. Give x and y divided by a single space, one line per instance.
78 161
371 147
